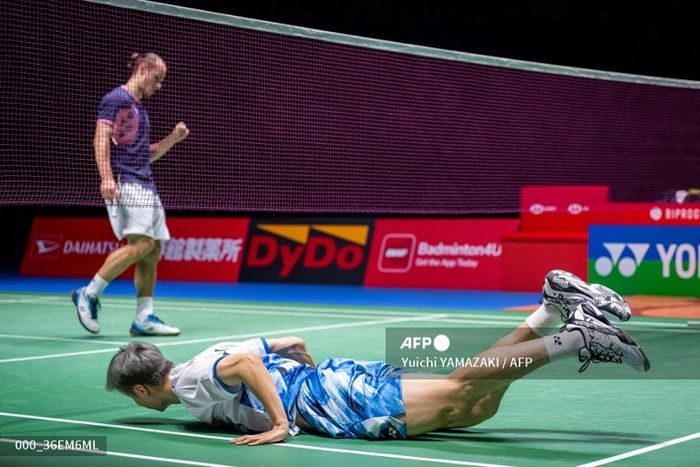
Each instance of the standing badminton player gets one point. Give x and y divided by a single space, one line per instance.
124 154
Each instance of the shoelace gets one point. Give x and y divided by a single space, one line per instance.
598 354
94 307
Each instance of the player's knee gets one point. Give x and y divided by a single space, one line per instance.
141 248
154 255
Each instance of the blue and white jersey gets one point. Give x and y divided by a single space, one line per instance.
131 136
346 398
209 399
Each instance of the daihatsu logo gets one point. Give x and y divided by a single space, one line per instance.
46 246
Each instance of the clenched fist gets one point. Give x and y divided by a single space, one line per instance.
180 131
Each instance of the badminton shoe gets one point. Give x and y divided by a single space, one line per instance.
152 326
87 306
566 291
604 342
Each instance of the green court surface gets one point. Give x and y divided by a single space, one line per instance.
53 375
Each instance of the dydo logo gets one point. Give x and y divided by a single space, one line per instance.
627 266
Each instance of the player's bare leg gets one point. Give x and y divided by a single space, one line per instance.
146 322
146 272
472 394
87 299
138 248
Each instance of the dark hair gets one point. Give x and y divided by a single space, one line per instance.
149 58
137 363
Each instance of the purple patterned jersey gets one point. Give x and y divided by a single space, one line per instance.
131 130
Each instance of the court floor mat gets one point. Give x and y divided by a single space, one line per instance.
53 376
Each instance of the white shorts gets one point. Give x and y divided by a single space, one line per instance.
138 212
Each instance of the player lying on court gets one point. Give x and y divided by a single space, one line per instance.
270 388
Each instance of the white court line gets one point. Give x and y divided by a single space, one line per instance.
239 336
679 328
331 312
482 322
228 438
138 456
311 328
316 310
637 452
58 355
342 314
26 299
62 339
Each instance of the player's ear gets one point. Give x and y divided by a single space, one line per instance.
139 390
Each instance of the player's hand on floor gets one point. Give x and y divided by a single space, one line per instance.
275 435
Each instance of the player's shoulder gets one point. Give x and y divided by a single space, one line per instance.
118 95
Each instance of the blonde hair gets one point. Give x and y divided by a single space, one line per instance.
149 58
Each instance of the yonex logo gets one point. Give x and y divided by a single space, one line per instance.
627 266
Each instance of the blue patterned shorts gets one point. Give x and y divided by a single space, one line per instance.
345 398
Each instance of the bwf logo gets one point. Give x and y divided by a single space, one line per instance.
396 253
627 265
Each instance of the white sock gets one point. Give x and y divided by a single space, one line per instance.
544 320
563 344
96 286
144 308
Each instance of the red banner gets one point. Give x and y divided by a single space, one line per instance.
440 253
200 249
560 208
648 214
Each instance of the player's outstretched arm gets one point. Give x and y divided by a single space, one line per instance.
291 347
248 368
